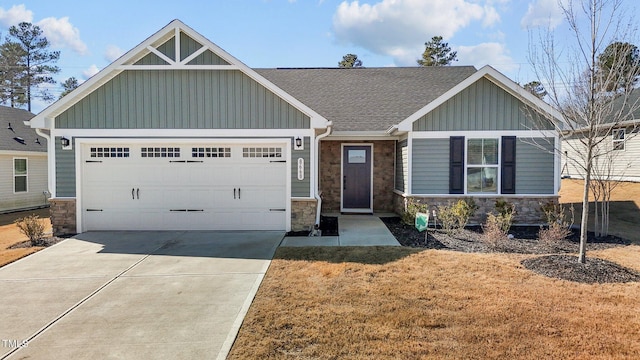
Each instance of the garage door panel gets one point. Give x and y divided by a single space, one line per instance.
217 188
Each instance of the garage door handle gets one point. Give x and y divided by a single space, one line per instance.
133 196
234 193
138 193
277 209
238 193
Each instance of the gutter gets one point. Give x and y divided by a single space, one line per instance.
316 194
49 177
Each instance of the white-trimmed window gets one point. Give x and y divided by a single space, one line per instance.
482 166
20 175
618 139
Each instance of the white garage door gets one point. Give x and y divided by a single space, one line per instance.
184 187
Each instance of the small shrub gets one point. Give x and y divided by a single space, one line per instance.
32 227
413 207
506 212
493 233
559 223
456 216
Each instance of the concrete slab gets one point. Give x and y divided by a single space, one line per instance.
364 230
165 294
354 230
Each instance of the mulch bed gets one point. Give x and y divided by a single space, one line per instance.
44 242
525 241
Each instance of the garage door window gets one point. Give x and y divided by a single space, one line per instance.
216 152
105 152
261 152
160 152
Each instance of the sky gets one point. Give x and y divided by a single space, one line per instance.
294 33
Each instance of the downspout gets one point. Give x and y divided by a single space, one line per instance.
316 194
49 177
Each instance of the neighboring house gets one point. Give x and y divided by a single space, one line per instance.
620 148
23 163
179 134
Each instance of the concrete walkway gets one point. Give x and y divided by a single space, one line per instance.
353 230
133 295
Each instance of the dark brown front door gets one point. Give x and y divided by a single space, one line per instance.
356 178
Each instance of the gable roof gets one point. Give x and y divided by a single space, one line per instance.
147 55
367 99
497 78
15 135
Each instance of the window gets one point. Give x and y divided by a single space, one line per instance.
618 139
20 175
160 152
261 152
482 165
216 152
109 152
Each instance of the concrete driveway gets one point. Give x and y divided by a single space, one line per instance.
133 295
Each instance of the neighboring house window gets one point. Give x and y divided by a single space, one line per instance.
20 175
482 166
618 139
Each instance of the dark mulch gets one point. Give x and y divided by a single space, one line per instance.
594 270
524 241
44 242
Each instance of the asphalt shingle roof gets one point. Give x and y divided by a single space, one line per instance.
367 99
18 137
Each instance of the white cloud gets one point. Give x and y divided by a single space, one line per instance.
399 28
61 33
113 52
15 15
92 70
494 54
542 13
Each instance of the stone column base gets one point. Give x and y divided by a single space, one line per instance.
63 216
303 214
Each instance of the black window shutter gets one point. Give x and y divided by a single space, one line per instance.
508 170
456 165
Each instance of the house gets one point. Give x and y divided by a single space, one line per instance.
618 144
23 163
179 134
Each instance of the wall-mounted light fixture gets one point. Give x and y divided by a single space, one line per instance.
66 143
299 144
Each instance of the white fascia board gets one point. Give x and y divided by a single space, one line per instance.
82 141
359 135
495 77
23 153
485 134
183 133
178 67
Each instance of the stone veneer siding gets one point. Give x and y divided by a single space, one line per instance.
303 214
63 216
527 208
383 173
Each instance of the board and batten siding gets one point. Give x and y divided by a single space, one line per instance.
402 166
535 167
301 188
182 99
430 166
36 183
481 106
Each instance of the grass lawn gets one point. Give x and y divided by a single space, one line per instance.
9 235
403 303
625 207
406 303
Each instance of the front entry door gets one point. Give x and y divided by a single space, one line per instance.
356 179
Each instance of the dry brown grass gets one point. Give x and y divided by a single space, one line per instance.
9 235
401 303
625 207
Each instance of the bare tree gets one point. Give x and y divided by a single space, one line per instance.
580 88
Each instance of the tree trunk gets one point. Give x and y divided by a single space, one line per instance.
582 256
